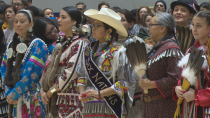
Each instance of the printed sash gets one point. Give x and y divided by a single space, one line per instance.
99 80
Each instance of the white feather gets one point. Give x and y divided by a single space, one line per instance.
183 61
189 74
205 63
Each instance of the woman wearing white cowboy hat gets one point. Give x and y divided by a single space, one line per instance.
104 72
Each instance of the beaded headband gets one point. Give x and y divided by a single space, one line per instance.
28 12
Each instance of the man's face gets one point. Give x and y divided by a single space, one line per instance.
81 8
18 4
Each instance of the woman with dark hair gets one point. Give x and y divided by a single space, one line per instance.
139 15
127 21
104 72
183 11
22 67
9 15
3 102
46 30
103 5
60 80
143 33
47 12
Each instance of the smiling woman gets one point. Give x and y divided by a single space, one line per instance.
183 11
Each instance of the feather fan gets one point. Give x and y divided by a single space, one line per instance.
136 52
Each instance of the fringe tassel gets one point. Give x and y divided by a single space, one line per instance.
97 108
166 53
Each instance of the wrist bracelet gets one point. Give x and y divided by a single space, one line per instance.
52 89
99 95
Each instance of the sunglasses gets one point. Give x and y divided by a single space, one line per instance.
161 5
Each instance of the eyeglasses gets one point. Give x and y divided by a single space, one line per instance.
80 9
150 25
48 34
17 4
161 5
97 26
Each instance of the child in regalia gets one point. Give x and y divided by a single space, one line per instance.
192 91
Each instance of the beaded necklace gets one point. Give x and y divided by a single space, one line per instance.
101 52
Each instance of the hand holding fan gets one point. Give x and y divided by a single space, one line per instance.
136 52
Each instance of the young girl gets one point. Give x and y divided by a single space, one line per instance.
22 67
196 99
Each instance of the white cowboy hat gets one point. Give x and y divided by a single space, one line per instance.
109 17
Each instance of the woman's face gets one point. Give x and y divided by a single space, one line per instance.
21 24
48 13
51 32
182 15
142 12
200 29
98 31
148 19
9 15
154 29
124 21
65 22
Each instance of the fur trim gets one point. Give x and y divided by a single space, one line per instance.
189 74
57 46
140 70
183 61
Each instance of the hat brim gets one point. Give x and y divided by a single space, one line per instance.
108 20
173 4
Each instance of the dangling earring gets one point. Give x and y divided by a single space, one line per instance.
30 29
108 37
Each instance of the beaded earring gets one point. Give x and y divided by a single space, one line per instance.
108 37
30 29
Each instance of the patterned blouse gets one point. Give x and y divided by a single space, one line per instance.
27 90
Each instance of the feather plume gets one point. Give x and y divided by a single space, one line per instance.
185 37
183 61
137 55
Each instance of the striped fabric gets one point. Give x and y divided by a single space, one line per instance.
37 61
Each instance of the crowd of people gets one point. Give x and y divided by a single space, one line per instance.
79 65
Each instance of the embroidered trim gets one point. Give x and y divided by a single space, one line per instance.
171 52
37 61
82 81
30 46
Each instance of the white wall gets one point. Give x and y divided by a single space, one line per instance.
57 5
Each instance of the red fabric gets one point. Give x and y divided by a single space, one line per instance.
159 90
174 96
203 97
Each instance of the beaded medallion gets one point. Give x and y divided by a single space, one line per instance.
21 48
